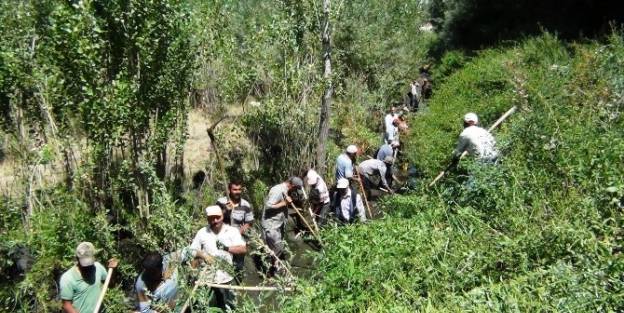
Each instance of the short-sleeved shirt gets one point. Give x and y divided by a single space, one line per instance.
272 218
385 151
206 241
344 167
478 142
320 186
391 132
168 289
238 215
344 207
373 167
83 295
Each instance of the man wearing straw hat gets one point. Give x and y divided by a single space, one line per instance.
82 284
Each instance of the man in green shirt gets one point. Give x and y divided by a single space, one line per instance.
81 285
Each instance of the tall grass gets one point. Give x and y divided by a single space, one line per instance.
542 231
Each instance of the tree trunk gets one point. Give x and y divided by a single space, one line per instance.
327 96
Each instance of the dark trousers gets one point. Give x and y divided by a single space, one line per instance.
222 298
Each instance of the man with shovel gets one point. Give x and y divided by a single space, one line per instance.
477 141
373 169
275 215
82 284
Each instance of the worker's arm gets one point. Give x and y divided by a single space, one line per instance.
384 181
68 306
462 145
240 249
244 228
272 204
145 303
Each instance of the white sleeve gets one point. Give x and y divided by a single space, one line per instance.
462 145
382 174
196 244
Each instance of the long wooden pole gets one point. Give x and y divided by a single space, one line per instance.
197 283
363 192
246 288
498 122
104 289
305 195
269 251
305 221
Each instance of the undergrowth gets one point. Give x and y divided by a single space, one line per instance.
541 231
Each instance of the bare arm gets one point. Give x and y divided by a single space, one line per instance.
241 249
68 306
244 228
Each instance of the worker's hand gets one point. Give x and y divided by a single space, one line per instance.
222 246
112 263
288 199
209 259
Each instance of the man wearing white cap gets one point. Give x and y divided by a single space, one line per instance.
391 130
373 169
275 214
347 203
387 150
319 196
344 163
82 284
221 241
476 140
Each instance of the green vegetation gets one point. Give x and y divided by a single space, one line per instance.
94 103
542 231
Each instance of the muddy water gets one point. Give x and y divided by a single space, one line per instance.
301 265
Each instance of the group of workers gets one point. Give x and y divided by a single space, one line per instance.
224 239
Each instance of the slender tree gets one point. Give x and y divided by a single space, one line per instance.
327 95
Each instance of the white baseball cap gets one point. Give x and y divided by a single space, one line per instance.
352 149
214 210
471 117
342 183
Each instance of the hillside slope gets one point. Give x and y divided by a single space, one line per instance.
542 231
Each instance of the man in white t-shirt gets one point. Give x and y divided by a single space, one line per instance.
391 130
319 196
219 241
476 140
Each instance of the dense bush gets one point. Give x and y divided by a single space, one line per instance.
539 232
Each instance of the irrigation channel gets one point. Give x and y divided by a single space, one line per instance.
301 261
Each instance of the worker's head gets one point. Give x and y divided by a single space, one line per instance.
470 119
85 254
152 267
235 188
389 160
312 178
294 183
352 151
215 217
342 185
